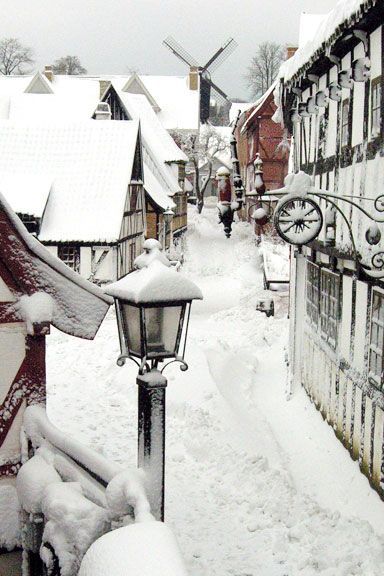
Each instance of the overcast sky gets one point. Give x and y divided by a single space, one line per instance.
114 36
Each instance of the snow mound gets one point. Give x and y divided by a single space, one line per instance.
145 549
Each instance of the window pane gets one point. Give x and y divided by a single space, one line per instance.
162 325
131 319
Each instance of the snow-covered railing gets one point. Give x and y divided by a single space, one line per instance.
275 268
70 496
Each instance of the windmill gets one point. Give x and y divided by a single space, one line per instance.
207 87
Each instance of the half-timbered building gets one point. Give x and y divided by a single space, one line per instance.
331 101
78 186
259 136
164 162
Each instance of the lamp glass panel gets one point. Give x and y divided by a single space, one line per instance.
131 321
162 326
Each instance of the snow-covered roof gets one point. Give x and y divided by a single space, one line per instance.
35 98
153 132
26 193
236 107
258 104
78 306
90 165
330 28
155 190
154 283
179 106
309 24
159 149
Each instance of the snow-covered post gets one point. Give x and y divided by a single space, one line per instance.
152 307
151 436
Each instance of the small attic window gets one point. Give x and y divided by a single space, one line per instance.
70 255
31 223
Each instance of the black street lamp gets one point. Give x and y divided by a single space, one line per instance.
153 308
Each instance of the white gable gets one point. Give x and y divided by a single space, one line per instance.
135 86
39 85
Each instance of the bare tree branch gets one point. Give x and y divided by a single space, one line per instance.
264 67
201 149
14 57
69 65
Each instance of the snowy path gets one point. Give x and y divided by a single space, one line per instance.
256 485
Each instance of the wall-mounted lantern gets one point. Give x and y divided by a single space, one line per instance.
334 90
311 105
302 110
361 69
322 98
345 79
168 216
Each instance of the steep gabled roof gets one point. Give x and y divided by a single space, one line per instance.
178 105
135 86
70 98
79 306
258 105
159 149
90 164
331 28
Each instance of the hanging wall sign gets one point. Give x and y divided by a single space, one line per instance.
298 220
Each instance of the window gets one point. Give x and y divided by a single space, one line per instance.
376 339
329 306
31 223
313 275
70 255
345 123
375 106
322 304
132 254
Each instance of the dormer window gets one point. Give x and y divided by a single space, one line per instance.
32 223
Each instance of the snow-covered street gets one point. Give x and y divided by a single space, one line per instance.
256 484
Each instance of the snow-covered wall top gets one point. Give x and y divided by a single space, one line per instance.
76 306
332 26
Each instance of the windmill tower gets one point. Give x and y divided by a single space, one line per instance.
207 88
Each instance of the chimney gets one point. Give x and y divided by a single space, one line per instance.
103 111
290 50
193 78
48 73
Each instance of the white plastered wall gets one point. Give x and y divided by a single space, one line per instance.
346 318
360 325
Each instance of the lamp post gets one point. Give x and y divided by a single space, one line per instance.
153 308
168 216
